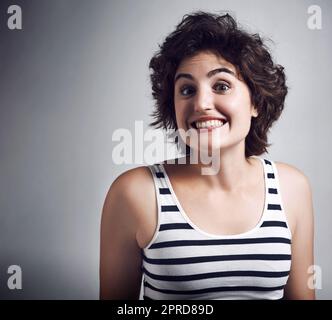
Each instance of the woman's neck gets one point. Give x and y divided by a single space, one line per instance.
229 169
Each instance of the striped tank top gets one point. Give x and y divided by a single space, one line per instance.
183 262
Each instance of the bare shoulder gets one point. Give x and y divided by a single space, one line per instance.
292 178
133 187
134 194
132 182
295 191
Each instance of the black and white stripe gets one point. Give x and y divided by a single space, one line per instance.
183 262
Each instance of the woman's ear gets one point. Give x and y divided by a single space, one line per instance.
254 112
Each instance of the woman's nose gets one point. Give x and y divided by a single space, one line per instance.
203 100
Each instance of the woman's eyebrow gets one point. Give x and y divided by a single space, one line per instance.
209 74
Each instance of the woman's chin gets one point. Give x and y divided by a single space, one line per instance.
207 150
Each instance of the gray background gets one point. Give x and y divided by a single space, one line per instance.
78 71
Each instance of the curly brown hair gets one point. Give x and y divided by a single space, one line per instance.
220 34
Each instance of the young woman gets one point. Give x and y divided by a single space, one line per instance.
245 232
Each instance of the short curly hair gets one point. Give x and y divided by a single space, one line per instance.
220 34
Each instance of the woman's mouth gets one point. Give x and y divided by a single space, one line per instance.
208 124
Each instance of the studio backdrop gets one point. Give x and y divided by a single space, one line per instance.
73 72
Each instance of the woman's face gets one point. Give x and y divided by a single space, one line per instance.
211 101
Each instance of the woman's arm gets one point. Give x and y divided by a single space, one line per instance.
297 196
120 255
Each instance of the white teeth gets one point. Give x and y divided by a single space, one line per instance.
208 124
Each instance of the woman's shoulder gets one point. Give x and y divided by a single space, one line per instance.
134 190
133 184
292 177
138 174
295 192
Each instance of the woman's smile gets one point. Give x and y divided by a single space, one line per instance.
204 126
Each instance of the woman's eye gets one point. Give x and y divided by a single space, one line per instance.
187 91
223 87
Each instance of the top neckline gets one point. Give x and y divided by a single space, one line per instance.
212 235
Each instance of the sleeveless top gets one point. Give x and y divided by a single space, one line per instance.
183 262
